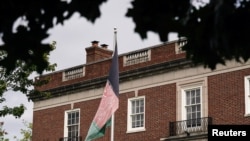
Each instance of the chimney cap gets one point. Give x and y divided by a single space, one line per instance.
95 41
104 45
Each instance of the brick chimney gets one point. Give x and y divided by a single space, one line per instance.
96 53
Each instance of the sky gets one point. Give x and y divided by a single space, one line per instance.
71 40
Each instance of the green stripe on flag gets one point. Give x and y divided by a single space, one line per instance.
95 132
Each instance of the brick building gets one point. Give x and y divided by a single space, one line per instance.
163 96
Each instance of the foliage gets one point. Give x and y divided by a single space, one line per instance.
22 31
2 132
25 27
18 80
216 30
27 132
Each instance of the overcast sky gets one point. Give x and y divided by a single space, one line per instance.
73 37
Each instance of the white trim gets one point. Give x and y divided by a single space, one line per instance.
178 47
137 57
200 83
129 128
65 131
247 95
73 73
192 83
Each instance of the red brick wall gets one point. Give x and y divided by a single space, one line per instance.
160 110
48 124
226 98
225 106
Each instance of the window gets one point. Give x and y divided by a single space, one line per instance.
136 114
247 96
192 104
72 124
193 107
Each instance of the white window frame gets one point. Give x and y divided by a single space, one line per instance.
184 110
180 97
66 121
247 95
129 118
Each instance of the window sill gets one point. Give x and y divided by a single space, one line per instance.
136 130
247 115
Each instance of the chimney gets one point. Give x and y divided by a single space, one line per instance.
95 53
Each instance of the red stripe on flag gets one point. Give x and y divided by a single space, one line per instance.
109 104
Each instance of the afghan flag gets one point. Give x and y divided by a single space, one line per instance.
109 102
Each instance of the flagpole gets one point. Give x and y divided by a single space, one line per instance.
113 115
112 127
